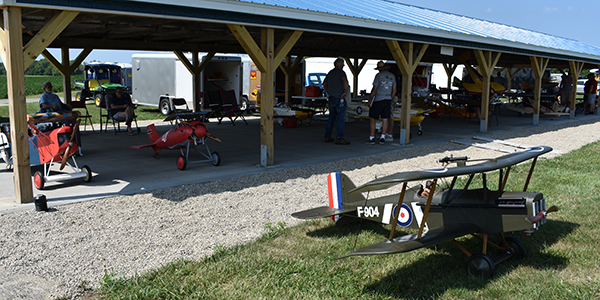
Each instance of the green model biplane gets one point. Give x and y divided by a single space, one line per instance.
445 213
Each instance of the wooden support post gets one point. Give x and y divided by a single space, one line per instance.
266 58
449 68
575 68
195 68
538 65
15 78
355 68
66 68
66 76
288 69
407 61
510 74
486 62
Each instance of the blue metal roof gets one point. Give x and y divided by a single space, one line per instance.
405 17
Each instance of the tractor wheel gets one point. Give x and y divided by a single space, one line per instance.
98 99
78 97
38 180
165 107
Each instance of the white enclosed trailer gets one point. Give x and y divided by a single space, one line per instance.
159 78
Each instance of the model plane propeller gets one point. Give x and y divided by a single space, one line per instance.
444 214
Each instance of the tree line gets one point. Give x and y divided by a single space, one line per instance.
42 68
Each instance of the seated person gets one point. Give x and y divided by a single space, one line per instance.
49 102
424 192
121 108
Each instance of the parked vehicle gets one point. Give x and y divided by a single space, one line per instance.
160 78
100 80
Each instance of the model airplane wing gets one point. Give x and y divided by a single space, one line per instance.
410 242
321 212
487 166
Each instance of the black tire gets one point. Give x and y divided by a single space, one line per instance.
515 247
181 162
38 180
215 158
420 132
98 99
88 173
165 107
78 97
480 265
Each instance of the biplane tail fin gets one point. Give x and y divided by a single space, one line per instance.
151 132
338 186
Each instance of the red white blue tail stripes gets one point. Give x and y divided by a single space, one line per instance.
334 186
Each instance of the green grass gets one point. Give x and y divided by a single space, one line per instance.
33 84
299 262
143 112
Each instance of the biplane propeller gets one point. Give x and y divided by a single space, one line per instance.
444 214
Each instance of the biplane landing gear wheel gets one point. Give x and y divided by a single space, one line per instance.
88 173
420 132
38 180
480 265
515 247
215 158
181 162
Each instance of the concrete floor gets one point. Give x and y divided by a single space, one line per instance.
118 169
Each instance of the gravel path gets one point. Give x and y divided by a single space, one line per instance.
54 254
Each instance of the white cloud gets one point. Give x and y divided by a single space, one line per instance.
550 9
489 10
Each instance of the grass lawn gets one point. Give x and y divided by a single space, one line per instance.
561 262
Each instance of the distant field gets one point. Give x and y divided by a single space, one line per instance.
33 84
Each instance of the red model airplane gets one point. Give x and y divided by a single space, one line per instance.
183 135
53 146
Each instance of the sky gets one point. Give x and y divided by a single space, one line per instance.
570 19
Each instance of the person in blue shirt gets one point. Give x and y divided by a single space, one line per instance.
49 102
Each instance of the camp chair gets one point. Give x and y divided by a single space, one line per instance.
180 102
213 105
230 107
86 116
103 115
116 121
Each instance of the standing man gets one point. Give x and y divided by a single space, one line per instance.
589 90
336 85
566 86
380 101
121 108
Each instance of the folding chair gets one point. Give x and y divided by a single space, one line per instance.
103 115
116 121
212 104
86 116
230 107
180 102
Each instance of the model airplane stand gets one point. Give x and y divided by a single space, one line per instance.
55 147
184 134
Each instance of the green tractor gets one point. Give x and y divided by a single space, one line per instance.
101 79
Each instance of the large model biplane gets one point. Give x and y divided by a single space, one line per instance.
186 133
446 213
477 86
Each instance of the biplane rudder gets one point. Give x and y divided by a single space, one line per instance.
338 185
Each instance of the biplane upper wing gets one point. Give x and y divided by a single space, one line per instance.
411 242
321 212
489 165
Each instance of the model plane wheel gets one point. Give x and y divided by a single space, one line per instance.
181 162
420 132
480 265
88 173
215 158
515 247
38 180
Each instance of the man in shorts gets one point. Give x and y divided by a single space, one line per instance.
589 90
380 101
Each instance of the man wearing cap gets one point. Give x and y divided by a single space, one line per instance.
380 100
336 85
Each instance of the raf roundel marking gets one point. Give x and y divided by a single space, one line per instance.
405 216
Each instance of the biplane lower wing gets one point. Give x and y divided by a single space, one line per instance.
321 212
411 242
